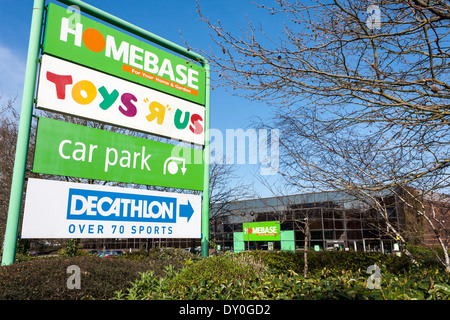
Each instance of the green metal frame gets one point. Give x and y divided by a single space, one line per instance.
18 179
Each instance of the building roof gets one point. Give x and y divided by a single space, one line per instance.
345 199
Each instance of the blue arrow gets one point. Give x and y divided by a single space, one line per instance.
186 211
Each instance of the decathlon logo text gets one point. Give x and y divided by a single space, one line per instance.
112 206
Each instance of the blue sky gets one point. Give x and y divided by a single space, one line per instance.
166 19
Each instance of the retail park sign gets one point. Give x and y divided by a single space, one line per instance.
68 149
56 209
261 231
103 48
94 71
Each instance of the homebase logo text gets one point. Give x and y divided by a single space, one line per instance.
262 230
112 206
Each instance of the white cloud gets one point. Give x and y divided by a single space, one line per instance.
12 73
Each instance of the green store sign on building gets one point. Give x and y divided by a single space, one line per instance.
261 231
266 231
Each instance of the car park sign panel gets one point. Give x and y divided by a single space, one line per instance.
67 149
57 209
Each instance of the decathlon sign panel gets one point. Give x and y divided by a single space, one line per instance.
72 150
73 89
56 209
261 231
82 40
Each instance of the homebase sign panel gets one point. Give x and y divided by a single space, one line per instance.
82 40
261 231
56 209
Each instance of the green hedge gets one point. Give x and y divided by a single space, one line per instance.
327 284
333 275
177 274
46 278
283 261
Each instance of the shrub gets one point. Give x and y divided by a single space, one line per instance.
425 256
148 287
228 267
72 249
175 256
177 274
47 278
215 277
23 246
136 255
278 261
159 258
354 261
283 261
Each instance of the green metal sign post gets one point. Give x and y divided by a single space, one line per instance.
18 179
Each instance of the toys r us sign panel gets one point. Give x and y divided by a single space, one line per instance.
76 90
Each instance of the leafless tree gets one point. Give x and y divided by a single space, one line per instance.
341 77
8 137
360 89
224 188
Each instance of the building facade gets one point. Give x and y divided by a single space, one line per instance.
330 221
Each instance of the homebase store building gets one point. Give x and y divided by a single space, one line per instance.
330 221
